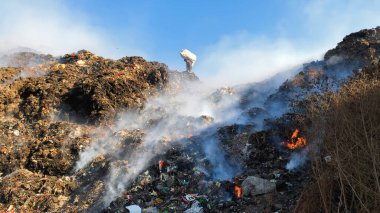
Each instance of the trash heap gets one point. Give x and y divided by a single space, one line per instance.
25 190
48 109
183 179
54 109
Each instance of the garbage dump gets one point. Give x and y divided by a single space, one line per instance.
82 133
49 120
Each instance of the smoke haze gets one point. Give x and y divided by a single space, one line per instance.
51 27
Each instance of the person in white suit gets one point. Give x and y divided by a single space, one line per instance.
189 58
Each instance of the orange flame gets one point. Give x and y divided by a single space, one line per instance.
238 191
295 133
296 141
161 164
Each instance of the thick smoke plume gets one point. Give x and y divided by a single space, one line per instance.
164 120
195 110
169 119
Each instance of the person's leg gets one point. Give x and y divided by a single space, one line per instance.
189 65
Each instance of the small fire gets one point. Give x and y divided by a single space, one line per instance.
296 141
190 136
161 164
238 191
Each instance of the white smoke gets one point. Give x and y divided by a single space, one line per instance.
238 59
169 119
297 160
52 27
28 73
164 120
305 35
222 169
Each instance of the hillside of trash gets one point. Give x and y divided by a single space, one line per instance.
82 133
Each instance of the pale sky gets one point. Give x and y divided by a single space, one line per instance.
235 41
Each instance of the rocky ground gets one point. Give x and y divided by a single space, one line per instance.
53 110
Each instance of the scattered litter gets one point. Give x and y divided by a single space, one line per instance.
16 132
134 209
328 159
195 208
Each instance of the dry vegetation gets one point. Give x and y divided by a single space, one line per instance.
346 162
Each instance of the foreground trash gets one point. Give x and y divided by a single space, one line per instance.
195 208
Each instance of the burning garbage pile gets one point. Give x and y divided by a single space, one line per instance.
99 135
172 160
180 180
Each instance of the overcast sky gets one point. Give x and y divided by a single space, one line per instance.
235 41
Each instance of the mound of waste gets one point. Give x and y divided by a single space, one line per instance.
81 133
80 85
